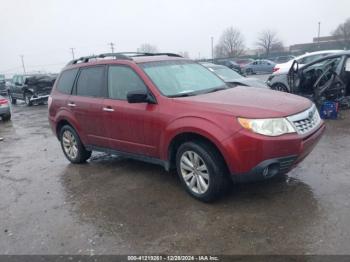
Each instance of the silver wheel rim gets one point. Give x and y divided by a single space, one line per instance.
70 145
194 172
280 88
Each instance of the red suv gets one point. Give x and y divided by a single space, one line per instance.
171 111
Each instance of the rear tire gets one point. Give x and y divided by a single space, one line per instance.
249 71
72 146
202 170
13 100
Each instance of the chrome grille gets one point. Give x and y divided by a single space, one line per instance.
306 121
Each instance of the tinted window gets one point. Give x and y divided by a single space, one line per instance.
90 82
66 81
121 80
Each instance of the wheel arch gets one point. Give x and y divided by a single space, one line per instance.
63 120
183 137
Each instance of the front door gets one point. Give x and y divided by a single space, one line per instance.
128 124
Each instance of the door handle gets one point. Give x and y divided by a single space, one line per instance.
108 109
72 104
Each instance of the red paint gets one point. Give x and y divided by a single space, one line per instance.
148 129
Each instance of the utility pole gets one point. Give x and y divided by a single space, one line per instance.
72 49
212 48
319 32
24 69
112 46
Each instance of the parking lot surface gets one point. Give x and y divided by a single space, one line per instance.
117 206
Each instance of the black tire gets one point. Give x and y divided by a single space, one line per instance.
6 117
13 100
219 181
280 87
26 98
82 154
249 71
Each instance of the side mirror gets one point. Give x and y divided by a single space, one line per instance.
140 96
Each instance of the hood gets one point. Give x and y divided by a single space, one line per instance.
249 102
248 82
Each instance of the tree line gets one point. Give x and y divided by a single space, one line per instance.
232 43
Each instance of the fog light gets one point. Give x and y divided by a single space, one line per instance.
271 170
266 171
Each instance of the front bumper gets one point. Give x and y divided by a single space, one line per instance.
39 98
265 157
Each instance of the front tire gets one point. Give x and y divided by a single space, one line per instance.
27 98
202 170
72 146
6 118
280 87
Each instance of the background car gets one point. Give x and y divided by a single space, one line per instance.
232 77
3 89
230 64
33 88
326 79
5 109
278 79
259 66
283 59
243 61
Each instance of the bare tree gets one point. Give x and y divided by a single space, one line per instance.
268 41
231 43
343 33
147 48
219 51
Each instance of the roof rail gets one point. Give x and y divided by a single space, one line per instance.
86 59
121 55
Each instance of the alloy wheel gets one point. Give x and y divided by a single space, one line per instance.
194 172
70 144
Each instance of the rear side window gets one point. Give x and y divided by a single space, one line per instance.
121 80
66 81
91 82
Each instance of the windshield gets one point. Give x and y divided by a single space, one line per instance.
226 74
178 78
2 77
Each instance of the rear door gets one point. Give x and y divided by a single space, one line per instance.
86 104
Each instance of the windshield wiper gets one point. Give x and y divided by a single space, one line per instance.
212 90
184 94
199 92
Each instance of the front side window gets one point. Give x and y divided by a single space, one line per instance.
66 81
347 65
121 80
90 82
310 59
175 78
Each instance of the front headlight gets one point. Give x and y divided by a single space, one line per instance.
268 127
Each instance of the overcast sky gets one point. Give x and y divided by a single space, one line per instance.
45 30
